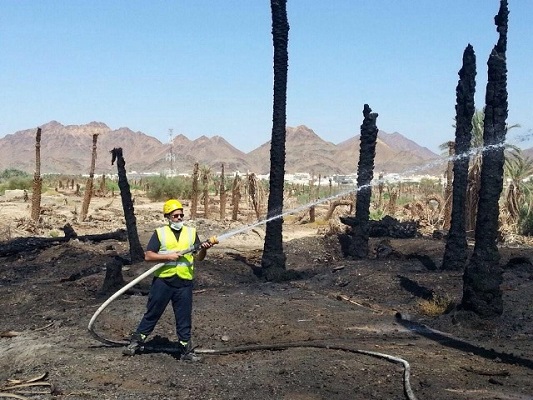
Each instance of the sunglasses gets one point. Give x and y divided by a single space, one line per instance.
175 216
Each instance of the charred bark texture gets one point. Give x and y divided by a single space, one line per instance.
455 253
273 256
365 174
136 250
483 276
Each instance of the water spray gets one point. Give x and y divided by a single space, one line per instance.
304 207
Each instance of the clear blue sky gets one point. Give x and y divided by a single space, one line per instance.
204 67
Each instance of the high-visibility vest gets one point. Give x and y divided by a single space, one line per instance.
183 266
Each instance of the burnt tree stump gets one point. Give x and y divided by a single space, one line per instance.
136 250
358 247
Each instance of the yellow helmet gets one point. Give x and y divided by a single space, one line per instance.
171 205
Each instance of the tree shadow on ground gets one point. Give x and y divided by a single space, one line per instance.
459 344
415 289
271 274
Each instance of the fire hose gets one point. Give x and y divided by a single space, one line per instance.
193 248
213 240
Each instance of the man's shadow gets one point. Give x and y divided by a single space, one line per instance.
159 344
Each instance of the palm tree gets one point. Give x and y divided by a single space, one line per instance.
273 260
474 169
517 169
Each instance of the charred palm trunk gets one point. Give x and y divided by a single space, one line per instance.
89 185
113 279
455 254
365 173
312 197
103 188
253 192
222 191
194 194
37 180
136 250
482 278
236 197
273 256
205 183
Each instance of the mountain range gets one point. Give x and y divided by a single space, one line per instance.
67 150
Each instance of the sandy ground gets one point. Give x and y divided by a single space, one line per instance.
310 338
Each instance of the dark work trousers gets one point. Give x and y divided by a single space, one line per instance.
163 291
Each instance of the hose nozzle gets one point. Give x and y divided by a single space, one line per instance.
213 240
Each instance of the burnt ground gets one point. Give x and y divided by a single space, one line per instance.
309 334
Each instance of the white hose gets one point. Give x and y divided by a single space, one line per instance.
126 287
113 297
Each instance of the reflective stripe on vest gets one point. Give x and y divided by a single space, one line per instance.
183 266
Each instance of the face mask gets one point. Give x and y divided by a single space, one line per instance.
176 225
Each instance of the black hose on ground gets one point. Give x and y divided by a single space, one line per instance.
242 349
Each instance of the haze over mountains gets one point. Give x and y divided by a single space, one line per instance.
67 150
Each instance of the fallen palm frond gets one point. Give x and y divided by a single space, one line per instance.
9 334
15 387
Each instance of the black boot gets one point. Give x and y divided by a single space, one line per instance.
135 345
187 352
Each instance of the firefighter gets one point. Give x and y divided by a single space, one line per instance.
173 282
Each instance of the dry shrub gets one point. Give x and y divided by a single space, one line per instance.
437 305
417 210
331 227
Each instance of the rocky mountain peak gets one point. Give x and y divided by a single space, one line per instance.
67 150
